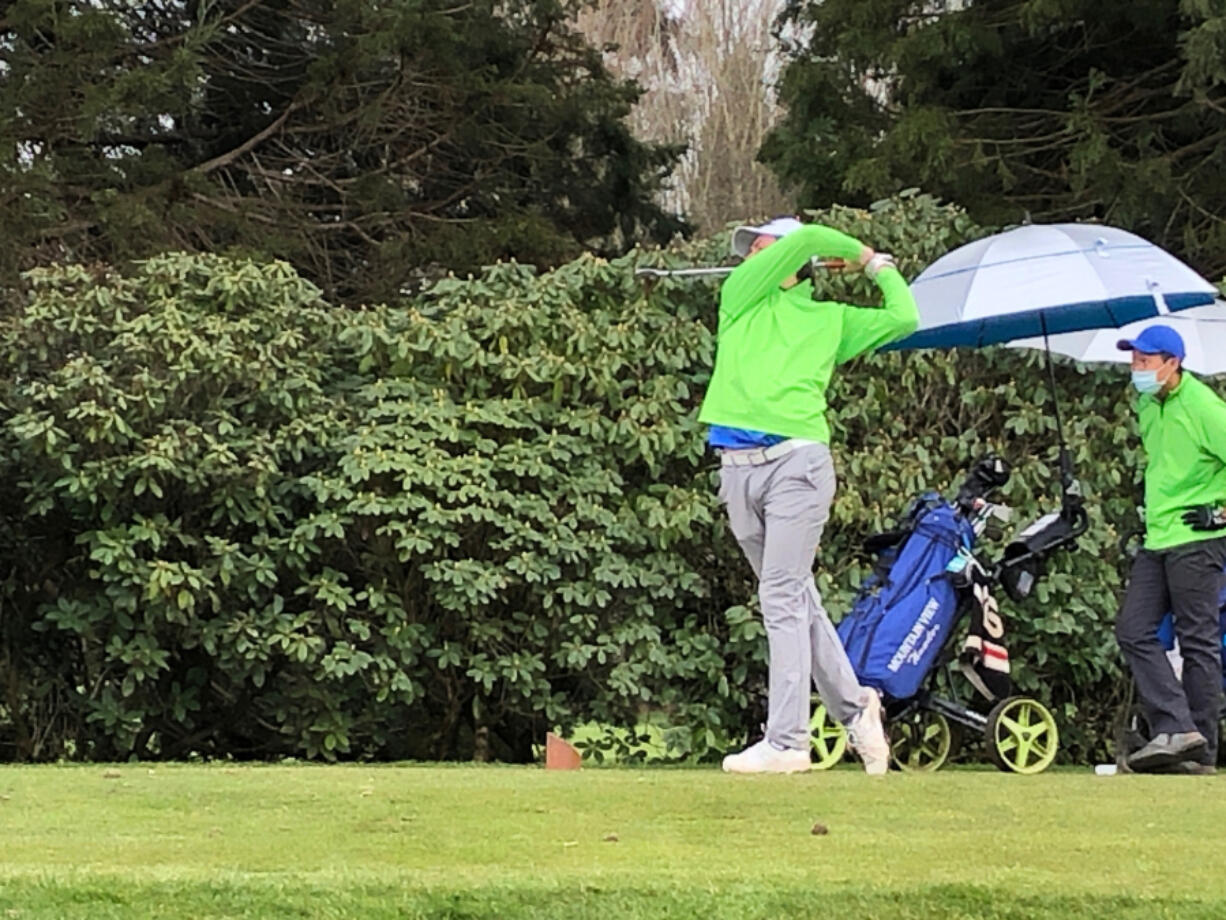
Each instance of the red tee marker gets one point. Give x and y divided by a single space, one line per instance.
560 754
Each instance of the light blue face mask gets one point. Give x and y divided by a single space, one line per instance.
1146 382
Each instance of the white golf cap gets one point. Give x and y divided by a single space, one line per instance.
743 237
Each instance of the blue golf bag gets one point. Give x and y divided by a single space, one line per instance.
904 612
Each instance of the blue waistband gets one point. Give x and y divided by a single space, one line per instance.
722 436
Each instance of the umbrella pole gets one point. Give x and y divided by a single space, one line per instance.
1070 488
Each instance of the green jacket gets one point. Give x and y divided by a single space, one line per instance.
1184 436
777 349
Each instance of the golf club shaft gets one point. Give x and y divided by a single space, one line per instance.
682 272
715 270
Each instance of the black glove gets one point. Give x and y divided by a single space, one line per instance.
1205 517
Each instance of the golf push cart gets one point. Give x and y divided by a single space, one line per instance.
927 581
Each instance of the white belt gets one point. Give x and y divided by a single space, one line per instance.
755 456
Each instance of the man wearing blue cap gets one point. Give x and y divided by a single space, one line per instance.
1183 431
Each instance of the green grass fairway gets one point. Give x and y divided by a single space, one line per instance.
173 841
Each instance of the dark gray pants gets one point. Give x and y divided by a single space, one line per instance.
1186 581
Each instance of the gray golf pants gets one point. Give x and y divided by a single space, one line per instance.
778 510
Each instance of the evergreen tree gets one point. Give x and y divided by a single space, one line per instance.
1056 110
369 143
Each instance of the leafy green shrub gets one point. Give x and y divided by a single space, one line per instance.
240 522
170 593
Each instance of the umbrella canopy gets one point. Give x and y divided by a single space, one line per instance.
1203 330
1048 279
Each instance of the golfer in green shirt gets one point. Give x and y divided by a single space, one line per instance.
766 408
1179 569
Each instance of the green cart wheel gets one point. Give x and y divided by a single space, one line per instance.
1021 735
921 742
828 739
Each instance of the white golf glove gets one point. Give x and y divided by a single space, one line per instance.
879 261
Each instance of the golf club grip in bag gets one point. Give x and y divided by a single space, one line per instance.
898 624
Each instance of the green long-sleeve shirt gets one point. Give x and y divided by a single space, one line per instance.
1184 436
777 349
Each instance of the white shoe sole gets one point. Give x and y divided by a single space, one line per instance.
749 770
877 769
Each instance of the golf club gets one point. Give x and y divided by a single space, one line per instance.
719 270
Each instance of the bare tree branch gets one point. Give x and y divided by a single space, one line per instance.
250 144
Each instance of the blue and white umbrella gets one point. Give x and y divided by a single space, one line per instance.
1046 279
1042 280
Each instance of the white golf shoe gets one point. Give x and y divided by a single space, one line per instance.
763 757
867 737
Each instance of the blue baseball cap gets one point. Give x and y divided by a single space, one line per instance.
1155 339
